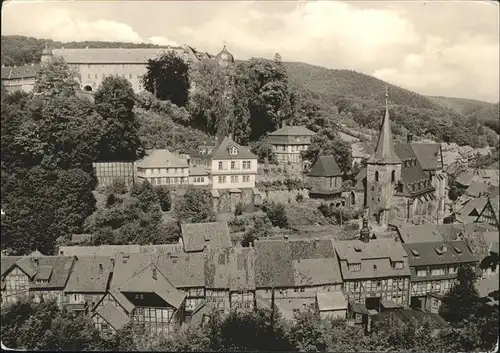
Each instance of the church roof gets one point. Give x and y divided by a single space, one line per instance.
325 166
384 153
225 55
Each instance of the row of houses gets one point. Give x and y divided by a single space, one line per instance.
166 286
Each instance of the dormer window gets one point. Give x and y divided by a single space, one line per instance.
415 253
457 250
233 151
397 265
356 267
357 249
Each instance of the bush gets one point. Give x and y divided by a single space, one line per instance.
117 186
238 210
299 198
165 197
276 213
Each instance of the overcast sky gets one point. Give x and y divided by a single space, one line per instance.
448 48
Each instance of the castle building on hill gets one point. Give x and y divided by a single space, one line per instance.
289 141
403 181
94 64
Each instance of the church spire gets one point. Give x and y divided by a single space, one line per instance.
384 153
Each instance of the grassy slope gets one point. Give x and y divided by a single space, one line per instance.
462 106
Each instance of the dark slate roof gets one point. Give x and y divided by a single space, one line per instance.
428 154
412 173
213 234
18 72
182 270
477 188
325 166
86 276
7 262
436 232
473 207
113 316
427 254
230 269
405 315
144 282
384 152
274 266
222 151
465 178
293 131
374 257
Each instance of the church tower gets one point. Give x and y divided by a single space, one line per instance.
46 54
383 172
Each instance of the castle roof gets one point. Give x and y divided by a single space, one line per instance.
325 166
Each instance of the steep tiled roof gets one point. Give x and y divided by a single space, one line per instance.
428 154
18 72
412 173
162 158
87 276
331 301
161 286
325 166
314 272
384 152
231 269
375 258
436 232
427 254
213 234
112 55
476 188
55 269
113 316
472 208
465 179
293 131
197 171
112 250
7 262
122 300
274 265
222 151
182 270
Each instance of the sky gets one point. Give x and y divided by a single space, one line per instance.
447 48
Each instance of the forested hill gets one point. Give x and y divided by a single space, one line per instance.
358 97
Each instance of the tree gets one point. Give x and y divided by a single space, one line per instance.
276 213
210 99
114 101
260 229
45 327
262 149
324 145
164 197
308 333
167 78
195 207
56 78
462 300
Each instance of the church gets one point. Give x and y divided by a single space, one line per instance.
401 182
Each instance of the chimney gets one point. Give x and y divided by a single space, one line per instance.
35 262
112 261
154 274
409 137
100 269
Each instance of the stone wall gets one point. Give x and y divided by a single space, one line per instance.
284 196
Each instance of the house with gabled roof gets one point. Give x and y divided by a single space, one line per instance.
142 292
37 276
434 266
295 271
233 166
375 273
198 236
490 213
289 141
88 282
162 167
19 78
325 179
230 278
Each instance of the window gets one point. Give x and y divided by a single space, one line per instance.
104 326
222 179
233 164
376 175
220 165
246 164
393 176
421 272
246 178
437 271
95 76
397 265
234 178
452 270
355 267
233 151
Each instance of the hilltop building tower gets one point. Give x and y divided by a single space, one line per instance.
224 58
383 173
